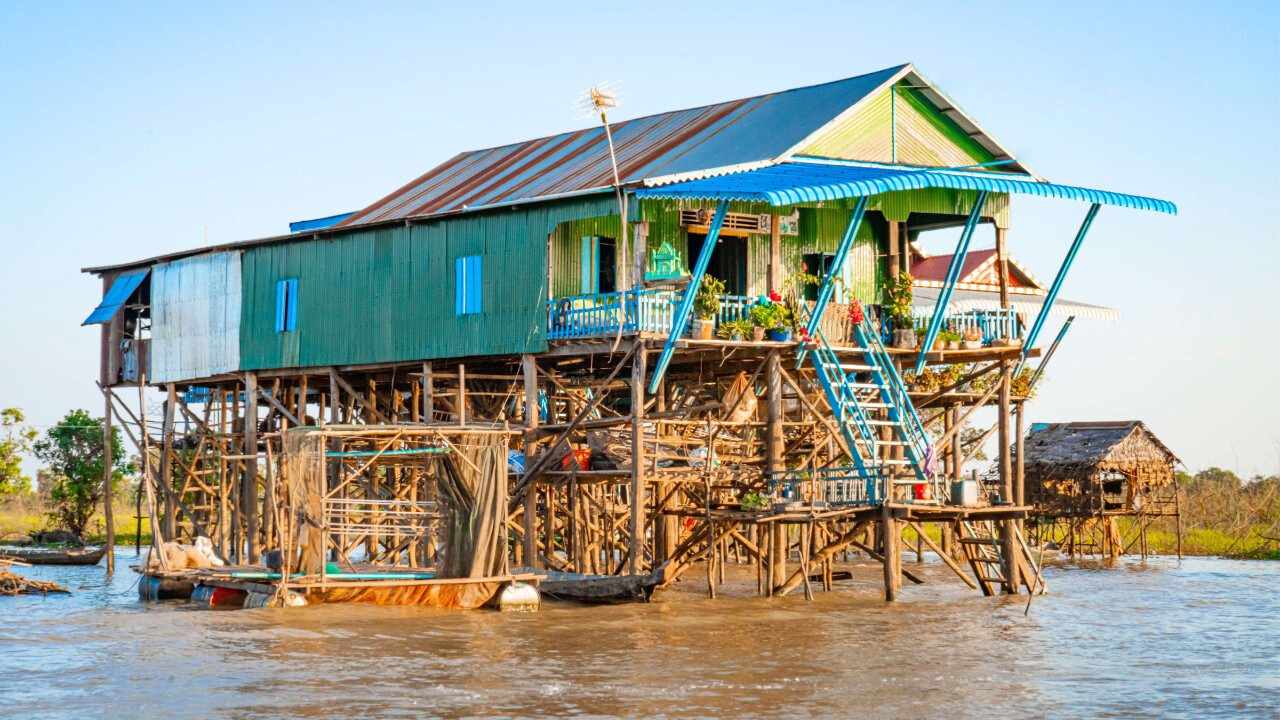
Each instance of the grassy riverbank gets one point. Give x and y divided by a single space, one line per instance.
19 517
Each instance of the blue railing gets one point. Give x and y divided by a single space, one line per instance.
991 324
894 391
603 314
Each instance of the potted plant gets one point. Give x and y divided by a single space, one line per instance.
856 317
736 330
972 338
771 315
706 305
951 339
900 295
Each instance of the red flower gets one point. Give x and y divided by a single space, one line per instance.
774 296
855 312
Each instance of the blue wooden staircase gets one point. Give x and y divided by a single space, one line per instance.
866 396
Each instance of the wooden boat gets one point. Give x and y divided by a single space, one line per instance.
598 589
54 555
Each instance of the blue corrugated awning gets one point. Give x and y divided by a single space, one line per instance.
796 182
116 297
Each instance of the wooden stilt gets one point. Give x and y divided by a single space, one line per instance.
639 519
107 495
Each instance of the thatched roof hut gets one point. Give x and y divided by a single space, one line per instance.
1088 467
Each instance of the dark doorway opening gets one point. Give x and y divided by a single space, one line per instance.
728 261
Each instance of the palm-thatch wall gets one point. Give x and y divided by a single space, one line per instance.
1091 467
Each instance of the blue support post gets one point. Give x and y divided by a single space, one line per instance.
686 303
953 275
1030 340
837 265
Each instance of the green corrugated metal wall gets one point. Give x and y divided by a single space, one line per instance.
386 294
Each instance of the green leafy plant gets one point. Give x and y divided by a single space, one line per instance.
754 501
72 450
707 302
900 296
15 442
740 327
770 315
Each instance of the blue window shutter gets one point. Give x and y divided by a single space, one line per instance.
291 311
459 286
281 302
475 286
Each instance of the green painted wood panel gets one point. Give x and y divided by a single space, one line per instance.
386 294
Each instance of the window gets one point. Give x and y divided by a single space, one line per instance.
287 305
817 265
467 285
599 265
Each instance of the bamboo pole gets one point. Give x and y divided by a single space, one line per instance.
107 462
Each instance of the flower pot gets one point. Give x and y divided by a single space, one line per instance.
703 329
778 334
904 339
972 344
757 333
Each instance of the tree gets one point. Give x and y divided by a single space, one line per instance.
15 443
73 451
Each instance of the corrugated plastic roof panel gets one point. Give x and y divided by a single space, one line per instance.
792 183
116 297
737 132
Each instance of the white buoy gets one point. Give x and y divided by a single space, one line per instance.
519 597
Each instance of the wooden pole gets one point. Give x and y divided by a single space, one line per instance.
531 419
889 539
639 521
775 277
166 465
428 394
1020 465
774 440
1007 527
462 394
1002 267
249 485
107 462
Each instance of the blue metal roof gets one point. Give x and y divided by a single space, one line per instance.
792 183
116 297
318 223
752 130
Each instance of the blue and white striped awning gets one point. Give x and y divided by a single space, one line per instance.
815 180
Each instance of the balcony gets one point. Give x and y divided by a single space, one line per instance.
630 311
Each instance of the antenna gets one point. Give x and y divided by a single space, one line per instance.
598 100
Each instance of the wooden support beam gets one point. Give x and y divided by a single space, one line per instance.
279 407
249 484
107 496
639 486
529 367
166 463
774 440
889 539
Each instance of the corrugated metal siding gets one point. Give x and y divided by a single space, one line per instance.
195 317
566 251
923 136
864 135
729 133
820 231
387 295
927 137
898 206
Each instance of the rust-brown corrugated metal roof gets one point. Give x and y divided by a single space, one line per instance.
704 139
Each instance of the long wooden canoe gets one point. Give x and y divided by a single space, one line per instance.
54 556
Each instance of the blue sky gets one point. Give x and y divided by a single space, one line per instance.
134 130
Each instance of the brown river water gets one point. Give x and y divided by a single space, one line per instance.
1195 639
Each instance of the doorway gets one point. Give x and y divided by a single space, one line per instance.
728 261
